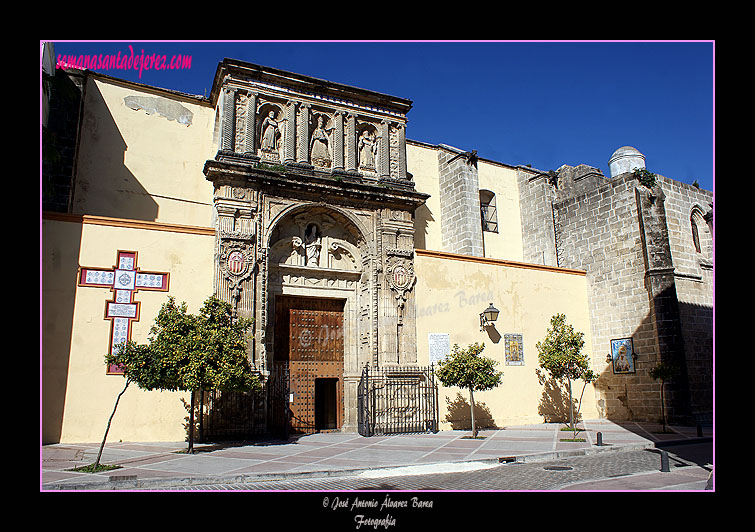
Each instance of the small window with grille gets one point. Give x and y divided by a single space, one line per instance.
488 211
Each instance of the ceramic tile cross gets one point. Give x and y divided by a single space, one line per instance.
124 279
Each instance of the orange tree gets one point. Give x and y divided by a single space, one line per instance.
188 352
560 353
466 369
663 372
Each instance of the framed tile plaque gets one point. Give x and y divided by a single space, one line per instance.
514 349
622 355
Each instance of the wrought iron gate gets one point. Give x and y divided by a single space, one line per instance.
236 415
397 400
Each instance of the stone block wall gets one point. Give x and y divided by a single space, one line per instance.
535 198
461 224
693 273
598 231
645 279
60 140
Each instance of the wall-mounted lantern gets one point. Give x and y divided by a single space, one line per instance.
488 316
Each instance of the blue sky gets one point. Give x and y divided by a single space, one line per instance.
538 103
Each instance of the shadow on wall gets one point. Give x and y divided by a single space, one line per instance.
104 185
460 416
687 343
61 245
554 403
422 219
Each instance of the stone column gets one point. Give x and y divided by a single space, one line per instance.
402 151
250 140
385 149
338 142
289 141
229 119
303 146
351 146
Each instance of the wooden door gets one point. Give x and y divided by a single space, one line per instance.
309 339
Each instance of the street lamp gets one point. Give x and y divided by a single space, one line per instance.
488 316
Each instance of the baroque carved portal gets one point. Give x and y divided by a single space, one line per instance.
314 205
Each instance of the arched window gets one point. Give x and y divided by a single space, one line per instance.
701 237
488 211
695 235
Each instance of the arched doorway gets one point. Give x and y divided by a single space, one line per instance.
320 331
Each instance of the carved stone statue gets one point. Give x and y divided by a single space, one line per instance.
269 133
319 144
313 243
367 146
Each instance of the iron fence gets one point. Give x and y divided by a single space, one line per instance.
238 415
397 401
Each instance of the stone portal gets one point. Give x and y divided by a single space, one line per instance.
315 216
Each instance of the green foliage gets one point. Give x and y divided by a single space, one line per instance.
466 369
190 352
663 371
645 177
560 352
95 468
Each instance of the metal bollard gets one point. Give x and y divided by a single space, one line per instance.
600 439
664 462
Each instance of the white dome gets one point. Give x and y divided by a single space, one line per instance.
624 160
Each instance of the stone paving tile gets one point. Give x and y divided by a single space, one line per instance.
247 455
324 452
275 466
147 460
206 465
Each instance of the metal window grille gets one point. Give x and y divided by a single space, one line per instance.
488 211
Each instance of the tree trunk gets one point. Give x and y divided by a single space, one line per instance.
107 429
471 406
191 424
663 409
571 411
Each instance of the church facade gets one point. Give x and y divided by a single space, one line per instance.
356 252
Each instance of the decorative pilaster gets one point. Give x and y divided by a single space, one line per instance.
229 120
385 149
289 141
401 151
250 140
338 142
303 126
351 143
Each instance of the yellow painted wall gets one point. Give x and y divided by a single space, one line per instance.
502 181
453 290
77 395
142 166
422 163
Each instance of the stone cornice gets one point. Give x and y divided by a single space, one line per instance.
387 192
306 85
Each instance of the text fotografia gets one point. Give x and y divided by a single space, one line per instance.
126 61
358 505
